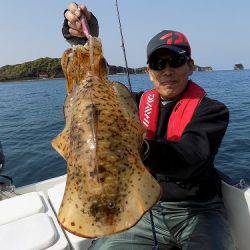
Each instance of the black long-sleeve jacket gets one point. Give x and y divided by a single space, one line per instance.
185 168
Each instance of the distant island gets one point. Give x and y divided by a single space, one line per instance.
199 68
238 66
49 68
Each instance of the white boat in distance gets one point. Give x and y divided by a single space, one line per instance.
28 221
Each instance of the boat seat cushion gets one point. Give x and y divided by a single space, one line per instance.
20 207
34 232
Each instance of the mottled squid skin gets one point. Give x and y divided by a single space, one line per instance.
108 188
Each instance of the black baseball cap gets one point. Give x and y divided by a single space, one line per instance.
173 40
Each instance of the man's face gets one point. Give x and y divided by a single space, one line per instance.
170 82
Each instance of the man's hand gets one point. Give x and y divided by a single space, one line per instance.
73 15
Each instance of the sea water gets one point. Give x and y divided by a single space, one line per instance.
31 115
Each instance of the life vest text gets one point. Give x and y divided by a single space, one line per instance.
148 109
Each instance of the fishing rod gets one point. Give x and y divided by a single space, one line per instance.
123 45
155 246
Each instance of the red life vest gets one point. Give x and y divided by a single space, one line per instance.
180 116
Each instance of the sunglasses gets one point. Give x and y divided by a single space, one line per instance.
176 61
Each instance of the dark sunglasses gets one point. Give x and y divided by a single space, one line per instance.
176 61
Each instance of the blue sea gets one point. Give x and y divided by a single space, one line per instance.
31 115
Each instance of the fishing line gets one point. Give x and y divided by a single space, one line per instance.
123 45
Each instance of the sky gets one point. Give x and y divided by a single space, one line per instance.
218 30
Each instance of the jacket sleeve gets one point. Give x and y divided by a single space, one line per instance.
198 145
2 159
93 27
137 97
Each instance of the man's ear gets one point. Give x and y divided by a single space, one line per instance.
191 66
150 73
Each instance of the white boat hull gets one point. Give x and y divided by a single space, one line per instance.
237 202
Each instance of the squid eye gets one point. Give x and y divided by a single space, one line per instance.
110 204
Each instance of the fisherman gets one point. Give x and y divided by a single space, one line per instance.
184 131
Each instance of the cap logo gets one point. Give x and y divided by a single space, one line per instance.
175 38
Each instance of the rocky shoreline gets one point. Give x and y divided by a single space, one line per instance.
48 68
